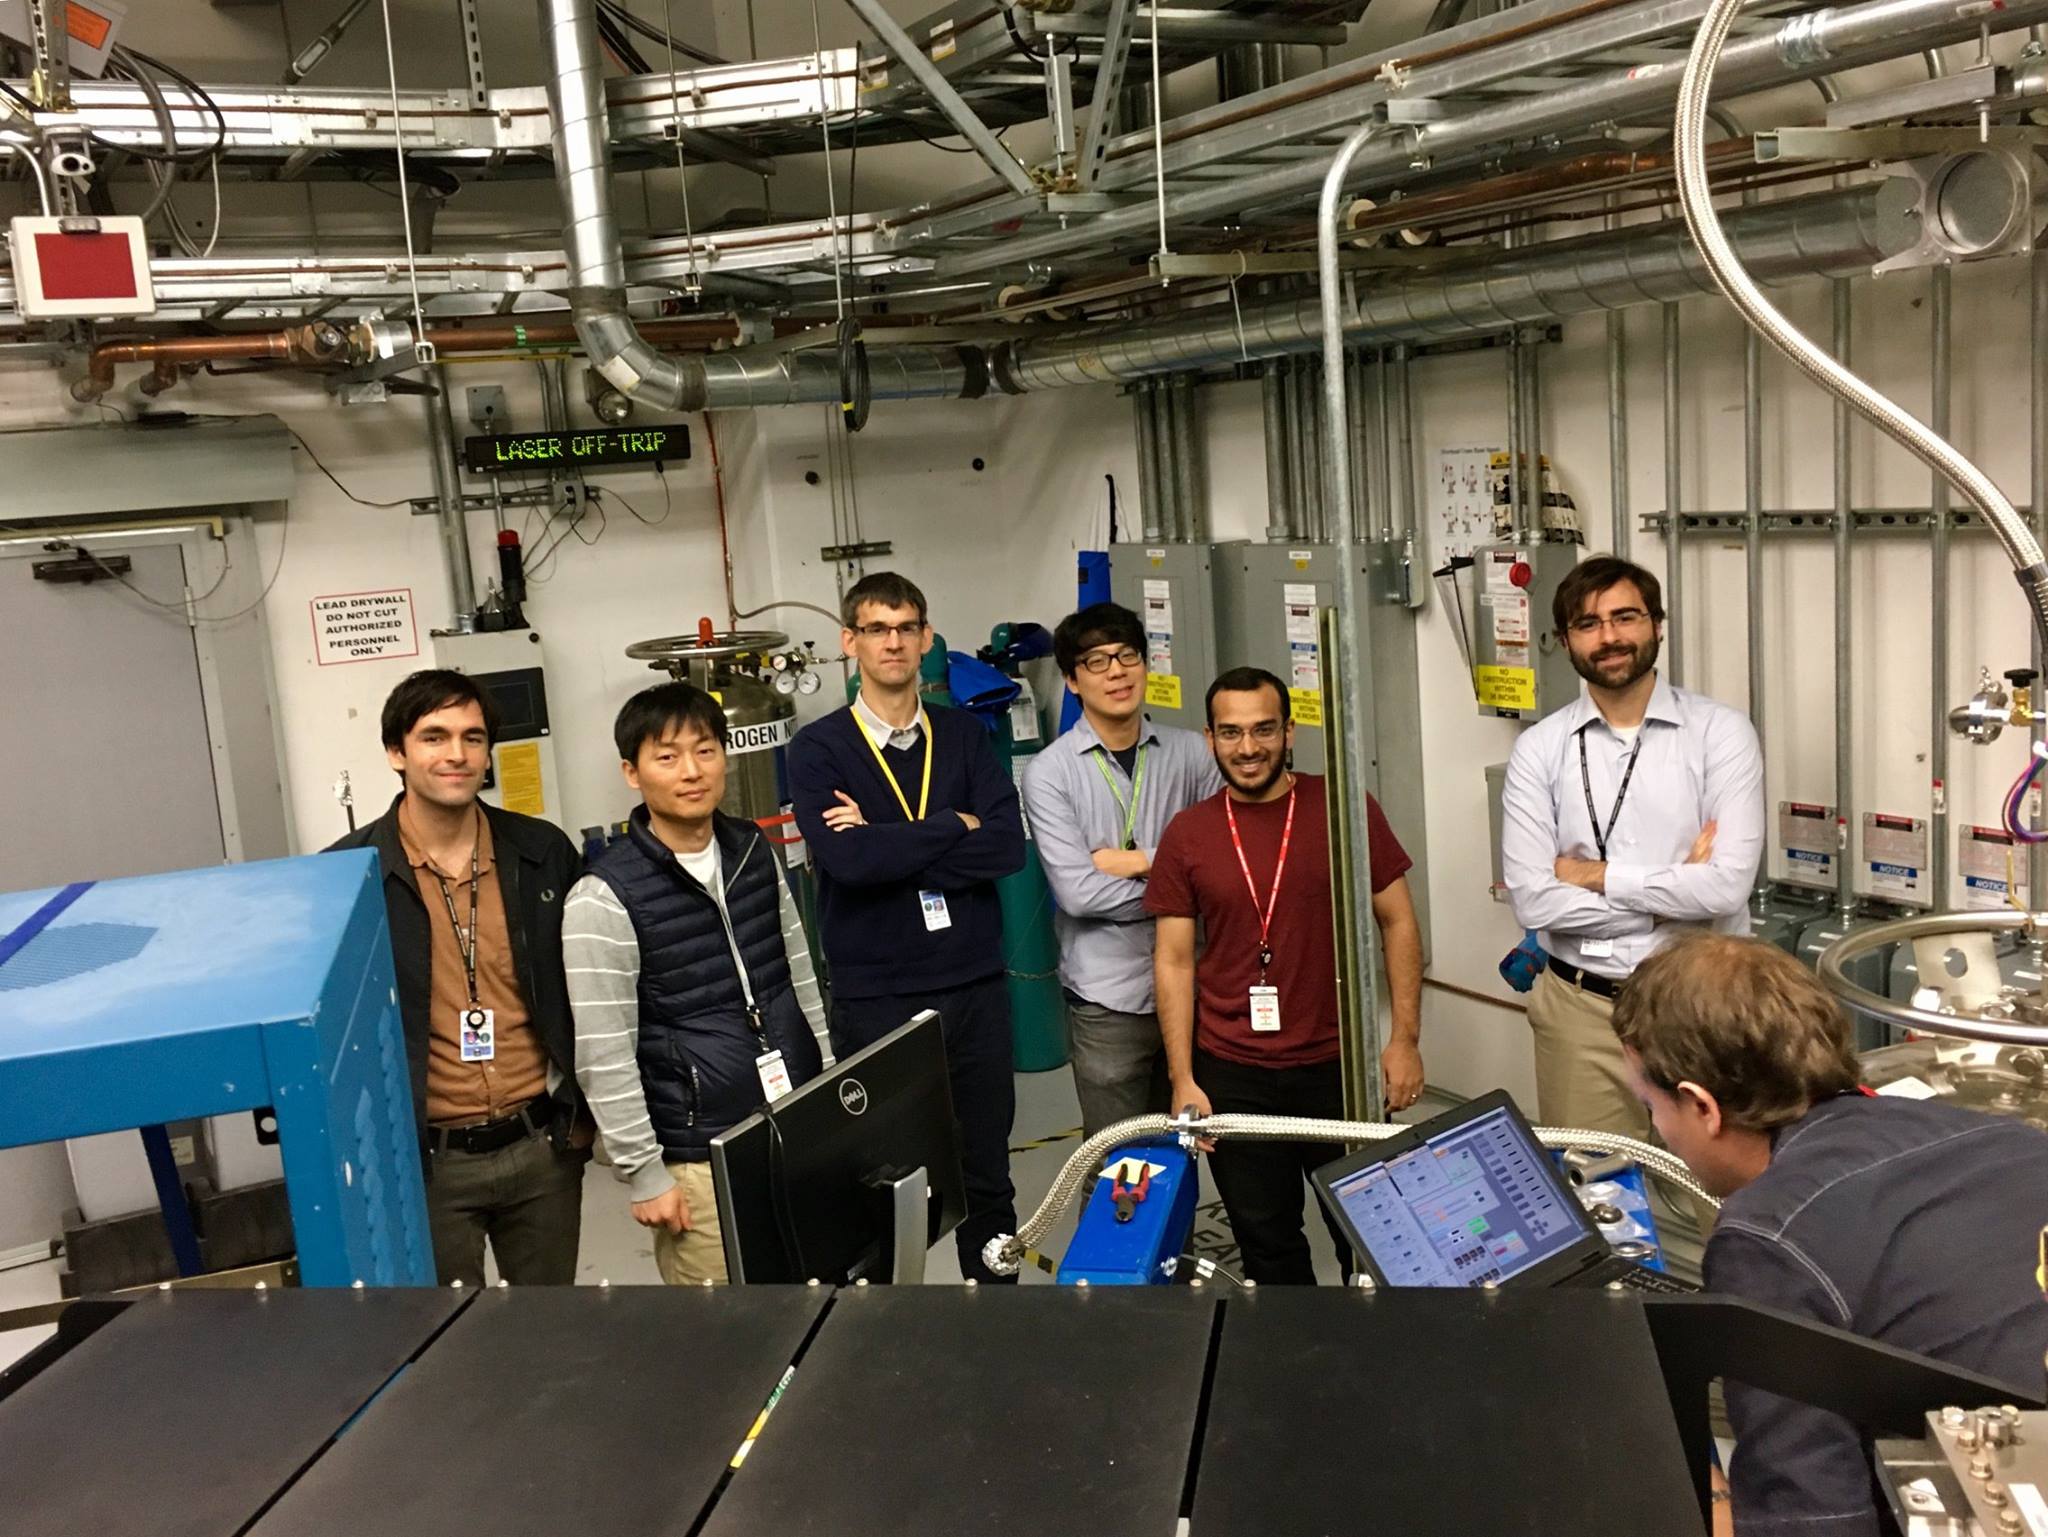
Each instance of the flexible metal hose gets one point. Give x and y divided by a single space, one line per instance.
1005 1252
1697 199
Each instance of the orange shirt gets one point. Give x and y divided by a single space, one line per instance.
463 1093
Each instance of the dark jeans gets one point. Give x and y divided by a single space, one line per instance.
1263 1184
527 1199
976 1023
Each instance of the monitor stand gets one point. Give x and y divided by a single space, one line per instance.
904 1197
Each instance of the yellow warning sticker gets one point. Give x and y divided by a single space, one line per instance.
1163 689
1307 705
1505 688
519 786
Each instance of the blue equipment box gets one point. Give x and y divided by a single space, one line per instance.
1106 1252
167 997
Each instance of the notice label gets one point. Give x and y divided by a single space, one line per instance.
761 736
1162 689
1895 851
364 627
519 779
1158 617
1306 705
1985 858
1505 688
1461 509
1806 834
1303 654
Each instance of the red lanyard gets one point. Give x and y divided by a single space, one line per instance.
1279 868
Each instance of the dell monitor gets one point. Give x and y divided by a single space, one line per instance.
852 1177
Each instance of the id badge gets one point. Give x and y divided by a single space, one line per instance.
1597 949
1265 1010
935 915
479 1034
774 1075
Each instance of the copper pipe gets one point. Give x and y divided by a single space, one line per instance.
319 342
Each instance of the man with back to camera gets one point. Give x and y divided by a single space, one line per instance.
1911 1222
912 822
1251 865
1629 813
1099 798
474 895
689 976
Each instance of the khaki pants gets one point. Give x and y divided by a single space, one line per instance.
696 1257
1581 1081
1579 1077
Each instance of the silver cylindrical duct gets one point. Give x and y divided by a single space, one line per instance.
720 381
1674 518
1144 428
1828 233
1273 416
1940 306
1845 784
590 233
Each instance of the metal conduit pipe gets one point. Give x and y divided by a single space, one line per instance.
1800 48
1308 485
590 234
1827 233
1383 484
1273 417
449 521
1142 427
1617 420
1753 548
1532 431
1162 460
1845 783
1940 308
1518 504
1359 444
1404 449
1315 450
2037 440
1674 518
1194 512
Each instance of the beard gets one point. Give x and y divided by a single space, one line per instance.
1597 670
1254 786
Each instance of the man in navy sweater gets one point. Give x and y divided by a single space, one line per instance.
912 822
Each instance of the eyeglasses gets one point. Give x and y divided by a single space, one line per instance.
909 631
1620 619
1102 661
1265 733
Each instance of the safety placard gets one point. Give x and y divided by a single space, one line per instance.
1304 655
1895 852
1990 869
364 627
1306 706
519 779
1807 837
1461 503
1505 688
1158 617
1162 689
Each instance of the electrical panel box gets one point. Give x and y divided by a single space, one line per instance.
81 266
1173 590
1520 669
509 666
1267 603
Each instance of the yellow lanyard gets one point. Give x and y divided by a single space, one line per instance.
924 791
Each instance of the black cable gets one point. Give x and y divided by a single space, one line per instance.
912 124
324 470
199 95
654 34
778 1186
635 511
1010 21
856 387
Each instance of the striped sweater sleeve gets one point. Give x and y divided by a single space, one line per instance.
601 958
803 976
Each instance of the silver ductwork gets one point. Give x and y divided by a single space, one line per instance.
1831 233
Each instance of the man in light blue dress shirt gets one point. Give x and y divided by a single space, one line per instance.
1098 799
1631 815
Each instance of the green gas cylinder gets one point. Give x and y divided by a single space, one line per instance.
1031 950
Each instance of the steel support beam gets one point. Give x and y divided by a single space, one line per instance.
1109 90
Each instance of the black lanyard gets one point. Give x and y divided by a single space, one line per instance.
1601 836
466 943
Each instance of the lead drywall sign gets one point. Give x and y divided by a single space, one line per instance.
364 627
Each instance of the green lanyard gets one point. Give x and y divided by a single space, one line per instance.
1128 807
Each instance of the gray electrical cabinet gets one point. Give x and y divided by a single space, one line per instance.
1520 669
1172 589
1267 602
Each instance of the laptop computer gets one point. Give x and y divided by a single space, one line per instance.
1471 1198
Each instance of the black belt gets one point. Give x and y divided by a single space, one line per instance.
1591 981
532 1119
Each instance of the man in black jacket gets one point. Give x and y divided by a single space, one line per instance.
689 976
474 896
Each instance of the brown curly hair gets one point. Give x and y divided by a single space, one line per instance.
1744 1021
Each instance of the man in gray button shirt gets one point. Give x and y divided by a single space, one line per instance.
1098 799
1632 814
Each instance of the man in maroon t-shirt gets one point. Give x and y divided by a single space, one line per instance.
1253 1028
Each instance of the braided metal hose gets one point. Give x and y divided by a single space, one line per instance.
1005 1252
1696 197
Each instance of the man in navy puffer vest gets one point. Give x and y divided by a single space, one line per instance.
689 977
